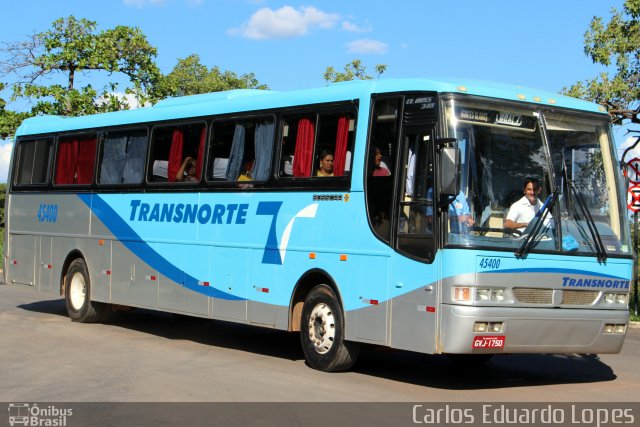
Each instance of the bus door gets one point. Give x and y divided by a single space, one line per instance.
414 283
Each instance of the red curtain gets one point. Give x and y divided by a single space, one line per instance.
303 154
76 161
175 155
342 136
203 137
66 162
86 161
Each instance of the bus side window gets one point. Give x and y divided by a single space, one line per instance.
242 150
306 136
75 161
335 136
122 157
33 162
173 145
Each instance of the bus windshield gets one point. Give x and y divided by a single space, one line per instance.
504 150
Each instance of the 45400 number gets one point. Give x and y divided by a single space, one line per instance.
493 263
47 213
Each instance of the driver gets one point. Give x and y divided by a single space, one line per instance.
525 209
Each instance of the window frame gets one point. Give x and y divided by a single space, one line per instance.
102 137
16 163
233 185
342 183
148 163
63 136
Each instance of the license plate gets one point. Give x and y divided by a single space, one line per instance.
489 342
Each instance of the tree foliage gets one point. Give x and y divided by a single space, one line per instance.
354 70
9 120
72 47
191 77
614 44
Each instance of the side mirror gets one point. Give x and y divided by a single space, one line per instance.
449 171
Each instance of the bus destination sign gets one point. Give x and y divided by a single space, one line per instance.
493 117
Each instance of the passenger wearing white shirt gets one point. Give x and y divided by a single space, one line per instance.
524 210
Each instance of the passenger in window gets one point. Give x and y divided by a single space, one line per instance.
326 163
379 168
247 171
524 210
188 171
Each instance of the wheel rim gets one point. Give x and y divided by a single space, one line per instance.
322 328
77 291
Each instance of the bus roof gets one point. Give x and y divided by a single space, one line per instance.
241 100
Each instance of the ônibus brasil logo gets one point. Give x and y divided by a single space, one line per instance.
26 414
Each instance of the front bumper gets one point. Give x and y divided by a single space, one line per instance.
533 330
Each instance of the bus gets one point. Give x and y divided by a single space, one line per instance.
214 206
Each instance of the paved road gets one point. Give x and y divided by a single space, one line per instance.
148 356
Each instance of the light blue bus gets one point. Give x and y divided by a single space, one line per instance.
362 212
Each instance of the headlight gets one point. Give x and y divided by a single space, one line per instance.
480 326
490 294
621 298
471 294
497 295
614 298
483 294
619 329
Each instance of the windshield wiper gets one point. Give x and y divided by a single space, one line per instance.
540 217
601 253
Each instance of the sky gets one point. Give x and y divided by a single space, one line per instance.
289 44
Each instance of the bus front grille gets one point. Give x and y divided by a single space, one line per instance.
574 297
533 295
545 296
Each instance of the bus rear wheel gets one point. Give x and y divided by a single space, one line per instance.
322 332
77 287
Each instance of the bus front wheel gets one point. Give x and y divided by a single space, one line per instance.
322 332
77 287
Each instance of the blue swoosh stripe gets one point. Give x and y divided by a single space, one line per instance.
146 253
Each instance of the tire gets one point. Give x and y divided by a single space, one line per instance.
322 332
77 295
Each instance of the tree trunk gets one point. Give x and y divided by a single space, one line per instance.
72 73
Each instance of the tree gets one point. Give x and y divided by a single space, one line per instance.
72 47
354 70
191 77
616 43
9 120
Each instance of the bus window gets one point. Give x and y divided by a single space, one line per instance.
306 137
75 160
335 138
242 150
33 162
380 163
416 216
122 157
176 149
